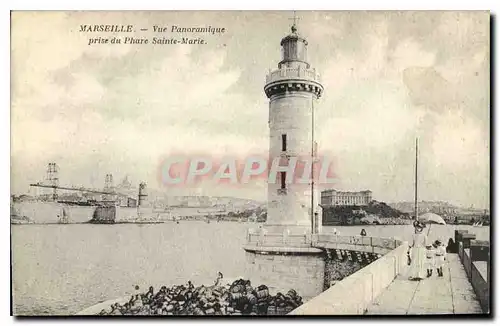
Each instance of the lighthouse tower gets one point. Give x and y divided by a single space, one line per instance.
280 254
292 90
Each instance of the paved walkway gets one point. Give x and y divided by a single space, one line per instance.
450 294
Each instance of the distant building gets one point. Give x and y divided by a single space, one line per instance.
131 202
334 197
125 184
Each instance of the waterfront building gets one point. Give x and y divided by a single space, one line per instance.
334 197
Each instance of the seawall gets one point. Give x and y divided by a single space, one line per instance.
353 294
475 257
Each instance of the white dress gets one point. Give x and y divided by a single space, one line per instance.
417 267
430 258
440 256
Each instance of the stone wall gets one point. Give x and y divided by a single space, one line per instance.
478 280
304 273
336 270
355 293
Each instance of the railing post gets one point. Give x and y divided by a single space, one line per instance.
479 250
285 235
466 239
488 268
488 280
458 235
262 236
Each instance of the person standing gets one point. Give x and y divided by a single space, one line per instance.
429 259
452 248
440 257
417 266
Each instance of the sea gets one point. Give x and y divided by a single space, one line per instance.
60 269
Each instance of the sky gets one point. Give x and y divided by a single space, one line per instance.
389 77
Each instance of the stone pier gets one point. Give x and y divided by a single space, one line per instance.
284 261
283 269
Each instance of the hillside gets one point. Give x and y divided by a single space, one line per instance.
160 199
383 210
437 207
229 203
351 215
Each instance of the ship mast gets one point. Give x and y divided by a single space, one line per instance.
416 179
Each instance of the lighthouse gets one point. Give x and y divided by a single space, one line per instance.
281 253
292 90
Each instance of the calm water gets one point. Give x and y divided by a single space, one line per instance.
61 269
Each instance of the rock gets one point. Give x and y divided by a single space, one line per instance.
239 298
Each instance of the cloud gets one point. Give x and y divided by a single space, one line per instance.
427 87
388 77
65 111
458 144
381 96
346 68
409 53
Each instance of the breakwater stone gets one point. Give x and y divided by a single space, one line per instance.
238 298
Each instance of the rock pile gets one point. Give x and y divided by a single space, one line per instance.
239 298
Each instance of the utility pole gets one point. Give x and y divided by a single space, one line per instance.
313 222
416 179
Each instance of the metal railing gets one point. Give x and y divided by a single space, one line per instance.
271 240
385 243
286 73
319 240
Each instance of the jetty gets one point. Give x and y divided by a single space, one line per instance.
382 287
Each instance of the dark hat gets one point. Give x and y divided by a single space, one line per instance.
418 224
437 243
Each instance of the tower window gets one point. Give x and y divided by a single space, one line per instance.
283 142
283 179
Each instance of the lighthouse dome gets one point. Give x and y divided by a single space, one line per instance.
293 50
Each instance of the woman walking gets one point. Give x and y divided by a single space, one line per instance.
417 267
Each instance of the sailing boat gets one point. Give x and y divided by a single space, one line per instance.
482 220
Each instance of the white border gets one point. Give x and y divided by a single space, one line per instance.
255 5
180 5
